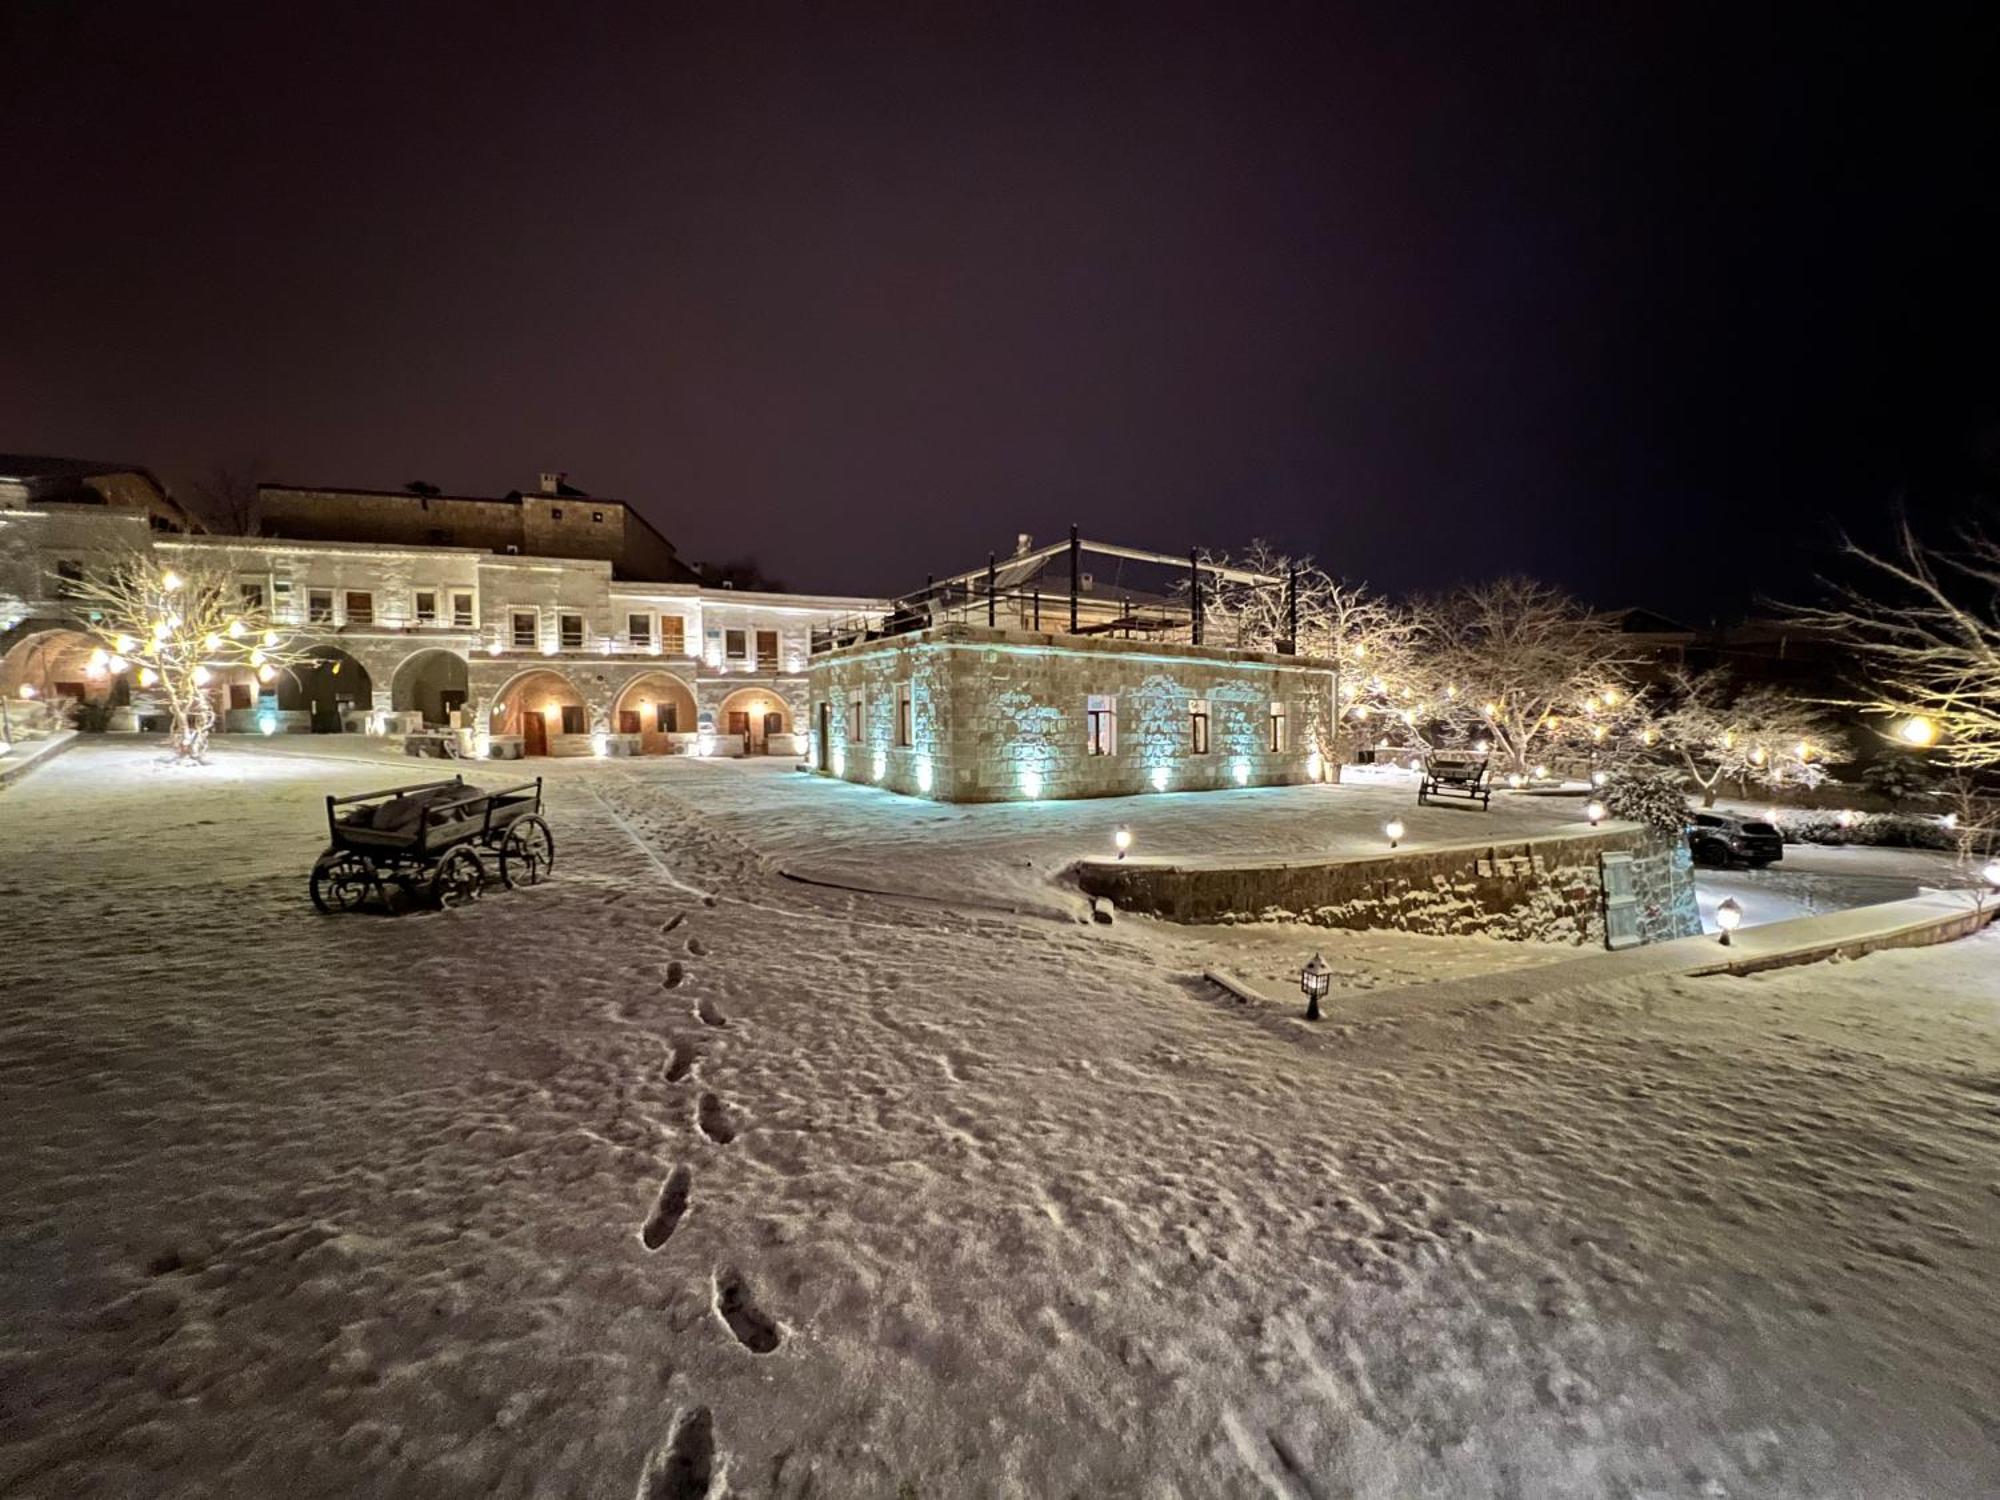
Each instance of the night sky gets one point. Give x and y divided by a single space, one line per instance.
1639 299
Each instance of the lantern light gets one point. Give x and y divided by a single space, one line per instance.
1491 710
98 657
126 645
1159 778
1728 916
30 691
1541 773
202 676
1611 697
1123 839
1314 980
1514 780
1394 830
1599 778
266 673
1757 756
1917 731
171 581
236 630
1804 750
147 677
1845 818
1594 812
1991 874
118 664
270 637
212 641
1950 820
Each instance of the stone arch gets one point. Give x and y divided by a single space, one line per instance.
765 714
54 663
431 682
544 694
655 706
328 688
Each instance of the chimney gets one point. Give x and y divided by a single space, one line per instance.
1023 544
552 483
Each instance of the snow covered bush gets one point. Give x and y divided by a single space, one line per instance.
1645 794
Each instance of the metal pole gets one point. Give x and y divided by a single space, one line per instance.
1075 573
990 620
1292 611
1038 606
1194 592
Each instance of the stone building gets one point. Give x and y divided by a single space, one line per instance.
514 652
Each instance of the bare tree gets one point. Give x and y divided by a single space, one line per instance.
178 632
1757 735
226 500
1928 628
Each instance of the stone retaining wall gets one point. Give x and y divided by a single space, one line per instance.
1541 889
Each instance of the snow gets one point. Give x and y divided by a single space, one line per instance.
507 1201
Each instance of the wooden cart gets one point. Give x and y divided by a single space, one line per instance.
432 836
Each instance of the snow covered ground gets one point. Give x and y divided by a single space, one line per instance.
679 1175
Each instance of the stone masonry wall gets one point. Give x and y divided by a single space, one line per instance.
1543 889
999 715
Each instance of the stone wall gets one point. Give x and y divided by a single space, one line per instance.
999 715
1542 889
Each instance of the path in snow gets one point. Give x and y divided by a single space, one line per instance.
427 1206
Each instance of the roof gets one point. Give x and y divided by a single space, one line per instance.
22 466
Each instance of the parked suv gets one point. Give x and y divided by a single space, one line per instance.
1717 838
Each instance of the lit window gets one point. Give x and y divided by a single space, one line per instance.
1198 726
905 718
360 607
1101 724
461 609
427 607
735 644
597 516
570 632
854 718
639 630
673 635
319 606
527 630
1275 743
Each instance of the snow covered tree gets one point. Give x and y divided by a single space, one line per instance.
1717 731
1927 627
177 632
1649 795
1530 669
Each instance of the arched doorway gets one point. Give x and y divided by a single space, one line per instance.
757 715
543 708
655 707
432 683
54 665
327 688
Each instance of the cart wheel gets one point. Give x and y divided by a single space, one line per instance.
460 878
527 853
341 882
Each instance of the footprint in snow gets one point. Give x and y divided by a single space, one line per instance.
696 947
680 1062
674 921
712 1118
667 1210
753 1328
711 1014
675 974
683 1466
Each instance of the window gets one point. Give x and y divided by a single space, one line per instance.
461 608
67 573
673 635
1100 718
905 718
360 607
767 650
628 721
668 717
570 632
597 516
574 721
639 630
1198 727
1276 741
735 645
251 595
239 696
319 606
555 512
527 630
427 607
854 719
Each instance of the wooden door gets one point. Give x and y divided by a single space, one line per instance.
534 733
739 723
825 735
773 724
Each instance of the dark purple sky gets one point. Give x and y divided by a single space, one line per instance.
1633 297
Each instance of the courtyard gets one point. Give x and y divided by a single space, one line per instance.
807 1140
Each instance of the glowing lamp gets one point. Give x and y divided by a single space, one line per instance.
1159 778
1917 731
1595 812
1844 818
1394 830
29 690
202 676
1611 697
1598 778
236 630
118 664
147 677
1514 780
126 645
1804 750
1541 773
99 657
1491 710
267 724
264 674
494 649
1728 916
171 581
257 656
924 774
212 641
270 637
1314 979
1950 820
1241 771
879 766
1031 785
1757 756
1123 839
1991 874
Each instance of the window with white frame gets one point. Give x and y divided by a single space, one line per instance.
319 606
569 631
427 606
854 707
673 635
251 594
1100 719
527 630
360 607
1198 726
906 726
639 631
735 644
1275 740
463 614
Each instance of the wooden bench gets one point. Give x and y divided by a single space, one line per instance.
1460 775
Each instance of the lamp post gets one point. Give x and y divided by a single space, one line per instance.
1314 979
1123 839
1728 916
1394 829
